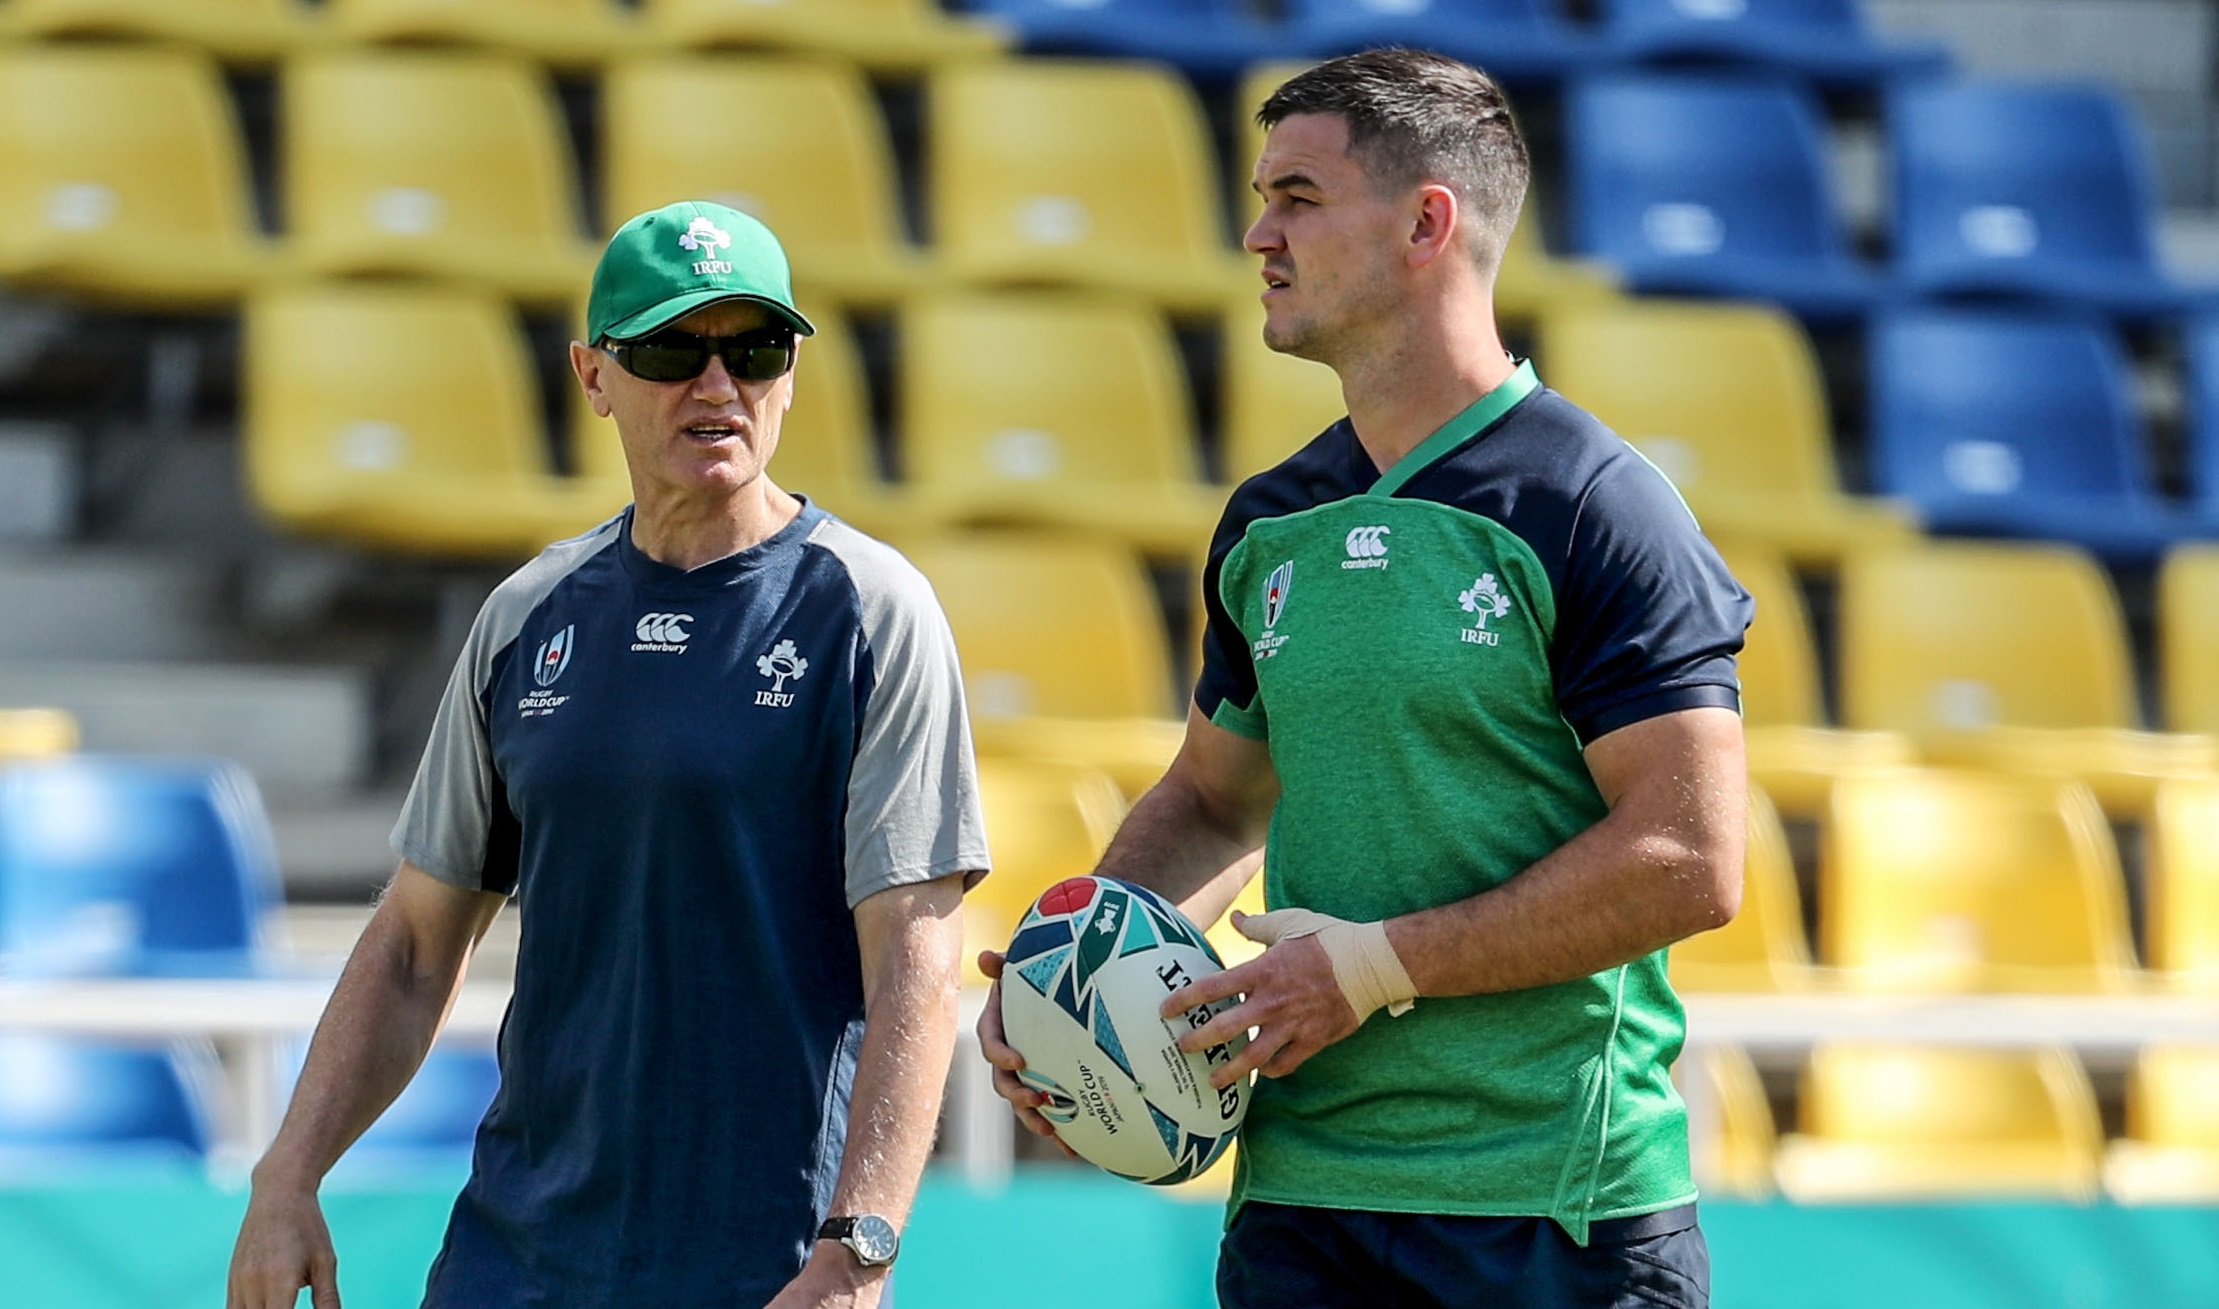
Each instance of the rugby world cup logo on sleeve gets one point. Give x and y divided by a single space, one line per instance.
1276 588
1275 593
548 664
554 656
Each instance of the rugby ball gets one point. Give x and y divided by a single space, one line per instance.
1088 970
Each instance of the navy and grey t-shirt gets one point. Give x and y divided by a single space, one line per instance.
687 780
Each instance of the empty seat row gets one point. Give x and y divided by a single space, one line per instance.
1517 40
1915 1122
453 165
1994 656
1721 186
1983 422
1059 407
1939 881
122 175
893 35
1048 407
125 177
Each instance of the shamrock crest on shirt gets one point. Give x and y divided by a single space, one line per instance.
783 662
1485 599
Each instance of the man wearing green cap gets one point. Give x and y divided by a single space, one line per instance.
717 749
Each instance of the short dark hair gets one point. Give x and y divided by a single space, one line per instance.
1414 116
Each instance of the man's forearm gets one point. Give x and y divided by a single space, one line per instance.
900 1071
381 1020
1174 845
1664 864
1601 900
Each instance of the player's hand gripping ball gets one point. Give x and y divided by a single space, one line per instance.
1088 971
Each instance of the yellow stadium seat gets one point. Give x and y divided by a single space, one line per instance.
814 163
1274 403
1762 948
2188 638
1956 881
887 35
35 733
1730 1126
1531 279
1912 1122
2183 841
1052 625
436 165
1729 402
404 419
1063 649
1045 821
244 31
1062 409
1095 174
1792 753
561 32
2170 1154
122 178
2004 656
824 446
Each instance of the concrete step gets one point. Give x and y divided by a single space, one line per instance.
301 731
109 606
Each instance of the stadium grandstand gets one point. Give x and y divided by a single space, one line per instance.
1916 302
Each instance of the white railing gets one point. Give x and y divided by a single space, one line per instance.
249 1018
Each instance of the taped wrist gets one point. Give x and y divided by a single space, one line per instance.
1364 961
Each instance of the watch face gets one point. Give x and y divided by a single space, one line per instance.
875 1240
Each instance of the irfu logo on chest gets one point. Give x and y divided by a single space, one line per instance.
1483 601
782 664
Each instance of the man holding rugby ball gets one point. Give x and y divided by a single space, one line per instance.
1468 690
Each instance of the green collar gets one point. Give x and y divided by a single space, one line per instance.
1456 431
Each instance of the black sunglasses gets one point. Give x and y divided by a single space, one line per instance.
763 355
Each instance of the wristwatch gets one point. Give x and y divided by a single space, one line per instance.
870 1238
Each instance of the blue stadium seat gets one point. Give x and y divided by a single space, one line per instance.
1713 186
2203 399
138 867
1212 40
2015 424
2024 189
1514 40
67 1101
1824 40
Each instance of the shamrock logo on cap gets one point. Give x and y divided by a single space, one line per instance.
704 236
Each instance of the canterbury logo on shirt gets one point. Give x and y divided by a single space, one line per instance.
1367 547
662 633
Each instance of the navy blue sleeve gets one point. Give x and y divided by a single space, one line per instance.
1648 619
1228 676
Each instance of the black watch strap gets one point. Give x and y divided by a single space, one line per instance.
870 1238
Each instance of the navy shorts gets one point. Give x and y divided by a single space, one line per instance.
1278 1256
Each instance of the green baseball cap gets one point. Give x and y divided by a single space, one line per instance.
668 262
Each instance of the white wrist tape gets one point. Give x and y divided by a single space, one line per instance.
1364 960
